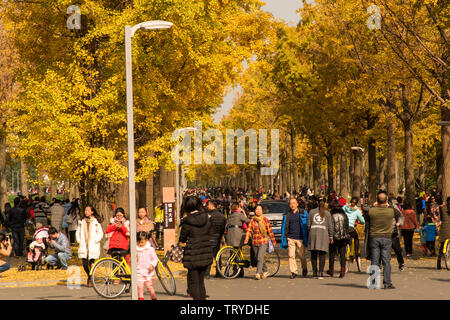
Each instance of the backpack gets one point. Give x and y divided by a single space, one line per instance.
340 231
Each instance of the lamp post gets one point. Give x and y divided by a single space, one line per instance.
177 180
129 33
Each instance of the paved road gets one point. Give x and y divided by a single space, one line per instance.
420 280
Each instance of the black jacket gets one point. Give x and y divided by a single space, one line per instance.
341 224
218 222
16 218
196 232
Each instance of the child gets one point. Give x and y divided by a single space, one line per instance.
431 233
423 239
37 248
146 263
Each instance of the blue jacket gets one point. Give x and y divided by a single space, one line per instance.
431 232
303 226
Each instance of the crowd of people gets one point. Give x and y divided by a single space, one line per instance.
322 225
31 226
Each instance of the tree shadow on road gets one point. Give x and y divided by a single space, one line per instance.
442 280
349 285
424 268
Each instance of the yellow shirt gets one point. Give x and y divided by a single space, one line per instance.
159 215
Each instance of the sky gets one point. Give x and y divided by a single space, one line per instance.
283 9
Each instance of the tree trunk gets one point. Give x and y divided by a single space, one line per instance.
3 194
330 176
381 175
445 135
409 162
422 176
356 188
439 167
391 157
316 175
372 154
343 175
23 178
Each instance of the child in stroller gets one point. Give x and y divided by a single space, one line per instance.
36 255
37 249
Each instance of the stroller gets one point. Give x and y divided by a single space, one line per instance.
37 250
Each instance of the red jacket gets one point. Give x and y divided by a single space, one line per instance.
120 236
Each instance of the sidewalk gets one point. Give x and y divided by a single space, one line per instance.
15 279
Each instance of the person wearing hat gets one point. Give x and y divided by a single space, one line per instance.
341 237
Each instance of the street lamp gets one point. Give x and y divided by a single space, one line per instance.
129 33
177 180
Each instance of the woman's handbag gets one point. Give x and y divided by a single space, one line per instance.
176 254
270 247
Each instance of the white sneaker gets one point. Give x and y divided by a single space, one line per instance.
257 276
265 275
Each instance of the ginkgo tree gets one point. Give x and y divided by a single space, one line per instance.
70 116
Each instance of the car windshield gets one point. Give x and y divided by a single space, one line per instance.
275 207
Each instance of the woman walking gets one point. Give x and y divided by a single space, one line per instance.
235 229
260 230
89 235
73 216
196 232
407 229
320 236
341 237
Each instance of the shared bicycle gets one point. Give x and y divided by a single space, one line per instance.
230 261
111 277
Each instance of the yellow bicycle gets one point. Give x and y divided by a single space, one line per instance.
230 261
111 277
446 252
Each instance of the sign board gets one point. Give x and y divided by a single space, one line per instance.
168 194
169 215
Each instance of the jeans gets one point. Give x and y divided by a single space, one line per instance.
4 267
259 253
58 259
196 283
381 247
18 238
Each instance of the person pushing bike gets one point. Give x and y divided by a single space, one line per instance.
354 213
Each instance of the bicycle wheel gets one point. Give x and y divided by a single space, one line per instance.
166 278
447 255
272 261
226 263
107 278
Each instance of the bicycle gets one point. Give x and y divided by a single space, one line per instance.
111 277
231 261
351 257
446 252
